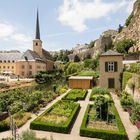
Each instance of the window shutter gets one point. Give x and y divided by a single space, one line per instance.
115 66
106 66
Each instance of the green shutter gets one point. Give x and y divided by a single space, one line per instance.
115 66
106 66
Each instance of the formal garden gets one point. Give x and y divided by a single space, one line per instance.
57 118
101 119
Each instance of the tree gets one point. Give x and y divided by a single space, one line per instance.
124 45
92 43
76 58
120 28
73 68
101 105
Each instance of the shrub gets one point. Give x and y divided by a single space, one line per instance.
136 113
28 135
127 101
128 21
138 136
124 45
126 77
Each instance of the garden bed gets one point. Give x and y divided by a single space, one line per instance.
96 92
75 95
58 118
101 129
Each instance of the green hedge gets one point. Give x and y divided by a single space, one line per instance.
4 126
65 128
126 77
103 134
75 98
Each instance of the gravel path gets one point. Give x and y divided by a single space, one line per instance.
131 129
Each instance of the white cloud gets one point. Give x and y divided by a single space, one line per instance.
75 13
10 34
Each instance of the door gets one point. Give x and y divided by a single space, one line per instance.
111 83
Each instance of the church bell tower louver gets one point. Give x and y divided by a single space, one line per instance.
37 43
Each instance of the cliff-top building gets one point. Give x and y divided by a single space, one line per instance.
29 63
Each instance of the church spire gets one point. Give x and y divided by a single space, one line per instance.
37 36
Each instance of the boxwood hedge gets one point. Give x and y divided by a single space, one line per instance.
79 95
65 128
104 134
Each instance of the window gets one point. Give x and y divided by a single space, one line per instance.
22 73
4 61
36 44
0 61
8 61
38 67
8 67
111 66
0 67
13 61
30 66
23 66
4 67
30 72
12 67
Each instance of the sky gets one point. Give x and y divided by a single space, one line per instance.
63 23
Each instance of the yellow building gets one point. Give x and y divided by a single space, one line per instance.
110 67
29 63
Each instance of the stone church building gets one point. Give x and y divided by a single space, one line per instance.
30 62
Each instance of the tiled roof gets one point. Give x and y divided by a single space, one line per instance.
110 52
12 56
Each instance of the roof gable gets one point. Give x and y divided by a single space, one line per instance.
111 53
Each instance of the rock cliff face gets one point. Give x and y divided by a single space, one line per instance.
132 31
102 44
109 38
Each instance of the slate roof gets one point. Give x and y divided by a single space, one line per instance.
111 53
31 56
47 55
12 56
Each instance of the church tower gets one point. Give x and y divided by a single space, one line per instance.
37 43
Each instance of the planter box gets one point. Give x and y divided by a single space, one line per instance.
137 124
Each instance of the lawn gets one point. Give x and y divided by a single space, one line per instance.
57 118
75 95
89 73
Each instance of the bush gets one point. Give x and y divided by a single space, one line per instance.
138 137
73 68
136 113
61 128
126 77
128 21
124 45
127 101
104 134
28 135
